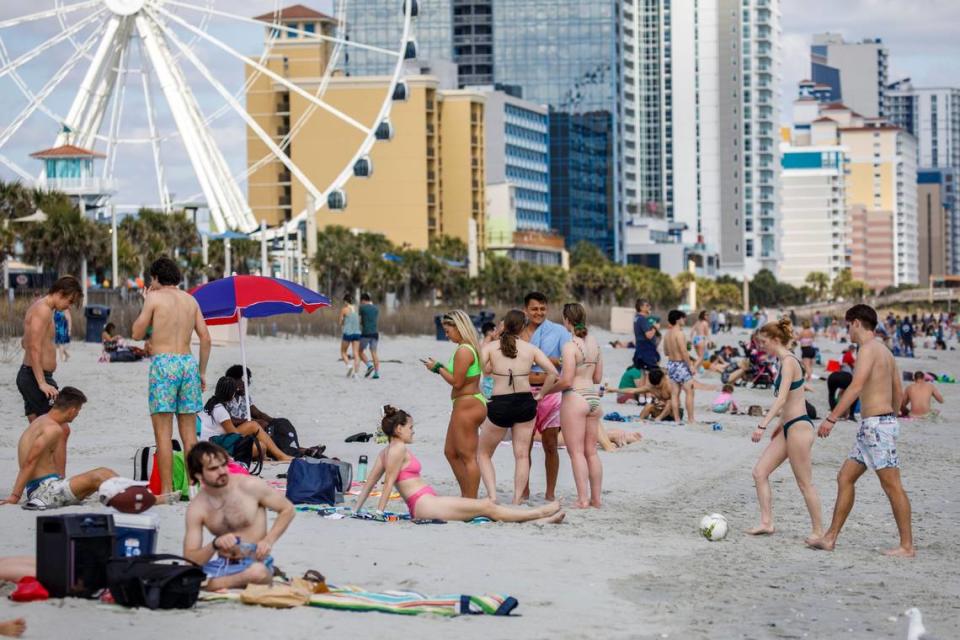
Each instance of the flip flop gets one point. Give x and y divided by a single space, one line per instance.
314 452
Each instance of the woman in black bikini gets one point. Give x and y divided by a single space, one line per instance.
793 438
512 405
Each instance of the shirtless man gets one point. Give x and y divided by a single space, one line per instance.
680 365
42 455
876 381
175 381
916 397
234 509
35 377
659 388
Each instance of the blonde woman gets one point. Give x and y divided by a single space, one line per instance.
462 372
580 407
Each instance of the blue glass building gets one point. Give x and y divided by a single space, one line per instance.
562 53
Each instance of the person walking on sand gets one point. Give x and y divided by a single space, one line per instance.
699 336
63 327
400 469
794 436
350 336
680 365
512 405
580 408
462 372
35 376
876 381
549 337
369 335
808 351
176 380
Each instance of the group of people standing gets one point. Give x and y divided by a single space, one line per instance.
545 383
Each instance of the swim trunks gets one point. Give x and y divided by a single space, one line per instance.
34 401
219 567
548 411
49 492
679 372
369 341
876 445
174 384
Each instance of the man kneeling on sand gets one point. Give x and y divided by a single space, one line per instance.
916 398
234 509
42 455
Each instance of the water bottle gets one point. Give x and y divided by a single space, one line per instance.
362 469
716 426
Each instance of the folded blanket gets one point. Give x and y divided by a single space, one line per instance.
407 603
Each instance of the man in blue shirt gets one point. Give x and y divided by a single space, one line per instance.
645 354
549 337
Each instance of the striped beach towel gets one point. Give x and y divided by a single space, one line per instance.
408 603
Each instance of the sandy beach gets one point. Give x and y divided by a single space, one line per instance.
636 568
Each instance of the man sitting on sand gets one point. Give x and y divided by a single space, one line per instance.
234 509
916 397
658 388
42 454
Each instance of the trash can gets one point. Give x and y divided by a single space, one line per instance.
438 323
96 315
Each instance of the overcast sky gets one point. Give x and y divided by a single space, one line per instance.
920 34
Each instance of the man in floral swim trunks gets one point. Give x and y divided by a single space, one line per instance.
176 381
876 381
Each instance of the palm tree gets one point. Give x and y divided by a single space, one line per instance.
65 239
819 282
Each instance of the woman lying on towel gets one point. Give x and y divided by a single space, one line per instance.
401 470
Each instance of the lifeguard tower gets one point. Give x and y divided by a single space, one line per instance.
70 170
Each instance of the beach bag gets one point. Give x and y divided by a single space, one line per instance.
243 449
346 474
179 478
160 581
123 355
284 435
313 482
143 462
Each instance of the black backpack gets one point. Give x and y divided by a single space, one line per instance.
143 461
284 435
160 581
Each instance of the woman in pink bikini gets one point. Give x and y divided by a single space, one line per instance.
400 469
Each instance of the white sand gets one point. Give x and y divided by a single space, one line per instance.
635 569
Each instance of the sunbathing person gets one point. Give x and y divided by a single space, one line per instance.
42 455
400 469
916 397
215 420
234 509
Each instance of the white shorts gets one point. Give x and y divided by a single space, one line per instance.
876 445
52 493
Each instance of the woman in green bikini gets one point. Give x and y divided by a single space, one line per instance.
794 436
462 372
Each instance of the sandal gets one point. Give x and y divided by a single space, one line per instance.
314 452
316 579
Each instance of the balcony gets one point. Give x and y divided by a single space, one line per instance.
80 186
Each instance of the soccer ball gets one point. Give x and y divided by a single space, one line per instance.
713 527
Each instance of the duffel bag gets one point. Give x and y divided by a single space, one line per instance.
161 581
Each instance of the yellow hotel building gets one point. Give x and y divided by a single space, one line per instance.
428 180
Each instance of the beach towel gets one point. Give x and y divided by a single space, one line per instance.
409 603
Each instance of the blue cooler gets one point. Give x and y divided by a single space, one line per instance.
136 534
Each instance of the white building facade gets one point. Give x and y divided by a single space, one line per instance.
813 218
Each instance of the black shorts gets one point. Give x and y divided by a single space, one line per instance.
34 401
808 352
507 410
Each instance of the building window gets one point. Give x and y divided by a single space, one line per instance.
749 247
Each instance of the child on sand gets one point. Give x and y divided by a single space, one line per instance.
724 403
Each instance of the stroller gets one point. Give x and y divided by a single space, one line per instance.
762 372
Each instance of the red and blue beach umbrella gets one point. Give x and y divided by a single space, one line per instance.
226 300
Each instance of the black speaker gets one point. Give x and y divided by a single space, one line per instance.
72 553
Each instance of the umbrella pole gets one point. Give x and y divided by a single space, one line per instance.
243 361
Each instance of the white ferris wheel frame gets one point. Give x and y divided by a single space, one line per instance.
101 94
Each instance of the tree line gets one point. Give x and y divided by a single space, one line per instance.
347 261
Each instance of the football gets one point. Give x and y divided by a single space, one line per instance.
713 527
136 499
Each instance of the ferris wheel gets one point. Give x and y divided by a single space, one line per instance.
164 49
